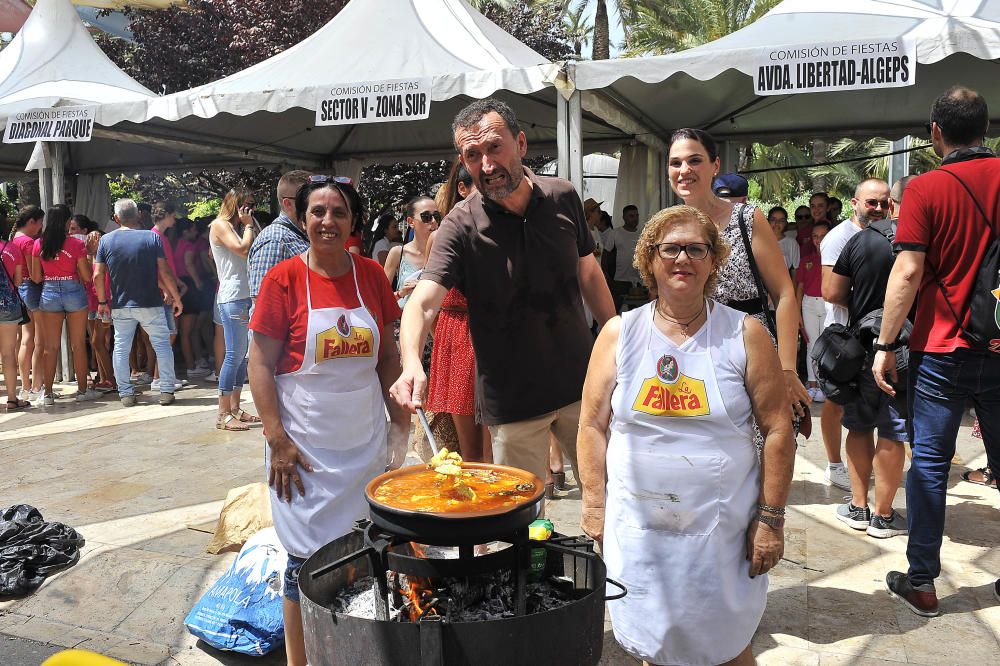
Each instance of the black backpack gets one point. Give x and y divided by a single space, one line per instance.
983 328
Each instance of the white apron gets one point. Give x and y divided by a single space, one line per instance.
332 409
683 485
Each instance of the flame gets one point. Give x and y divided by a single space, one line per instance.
419 591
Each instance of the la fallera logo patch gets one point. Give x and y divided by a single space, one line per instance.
344 341
684 396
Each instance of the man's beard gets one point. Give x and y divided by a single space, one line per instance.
867 218
501 191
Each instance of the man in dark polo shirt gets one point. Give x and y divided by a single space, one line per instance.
520 251
858 282
945 228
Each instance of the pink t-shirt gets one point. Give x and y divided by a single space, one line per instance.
12 257
24 245
168 250
64 265
184 246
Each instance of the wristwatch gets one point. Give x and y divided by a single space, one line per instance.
892 346
775 522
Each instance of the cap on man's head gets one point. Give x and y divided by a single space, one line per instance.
730 185
590 204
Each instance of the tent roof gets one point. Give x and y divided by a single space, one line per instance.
369 40
711 86
53 61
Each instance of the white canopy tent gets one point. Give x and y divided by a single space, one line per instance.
52 62
268 110
711 86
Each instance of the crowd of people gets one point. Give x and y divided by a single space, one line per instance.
483 303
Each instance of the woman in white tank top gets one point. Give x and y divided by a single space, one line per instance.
672 484
230 236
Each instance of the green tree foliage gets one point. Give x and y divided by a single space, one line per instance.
659 27
578 31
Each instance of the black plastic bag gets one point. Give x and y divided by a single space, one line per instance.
32 549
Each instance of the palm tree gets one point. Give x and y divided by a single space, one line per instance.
577 29
663 27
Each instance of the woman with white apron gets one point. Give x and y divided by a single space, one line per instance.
671 478
319 372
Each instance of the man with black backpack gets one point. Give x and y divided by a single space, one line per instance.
858 282
947 233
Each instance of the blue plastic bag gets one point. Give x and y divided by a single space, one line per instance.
242 612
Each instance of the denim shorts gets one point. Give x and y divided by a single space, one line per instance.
30 292
884 416
292 577
62 296
10 316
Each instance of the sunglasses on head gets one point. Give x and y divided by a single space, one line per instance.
427 216
321 178
877 203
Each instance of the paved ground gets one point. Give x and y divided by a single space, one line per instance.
145 485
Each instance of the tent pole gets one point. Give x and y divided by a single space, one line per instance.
562 136
576 141
58 152
899 165
44 189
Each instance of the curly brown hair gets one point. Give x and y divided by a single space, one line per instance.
663 221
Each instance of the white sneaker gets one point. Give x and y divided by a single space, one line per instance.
31 395
38 399
91 394
836 475
212 378
178 384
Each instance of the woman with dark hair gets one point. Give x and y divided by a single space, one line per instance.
452 380
321 364
404 263
11 276
387 236
27 227
692 165
59 263
231 234
99 332
190 271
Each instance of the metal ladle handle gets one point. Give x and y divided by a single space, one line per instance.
427 429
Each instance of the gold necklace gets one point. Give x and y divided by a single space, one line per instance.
683 324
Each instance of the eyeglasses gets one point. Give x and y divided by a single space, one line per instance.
694 251
321 178
427 216
877 203
778 220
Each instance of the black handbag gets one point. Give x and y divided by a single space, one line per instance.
25 317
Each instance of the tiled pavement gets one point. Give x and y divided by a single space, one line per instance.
143 485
